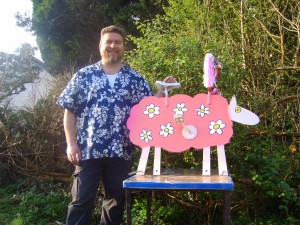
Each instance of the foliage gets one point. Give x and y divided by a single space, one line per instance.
26 203
168 213
264 74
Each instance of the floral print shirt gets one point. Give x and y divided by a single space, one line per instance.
102 111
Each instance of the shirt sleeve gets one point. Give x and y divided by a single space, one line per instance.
69 96
148 88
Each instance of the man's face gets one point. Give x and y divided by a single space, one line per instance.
111 48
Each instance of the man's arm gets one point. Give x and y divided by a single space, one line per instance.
73 151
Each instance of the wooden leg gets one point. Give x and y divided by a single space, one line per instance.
143 161
226 207
206 161
128 206
149 201
222 165
157 161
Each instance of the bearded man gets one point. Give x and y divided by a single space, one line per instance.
97 103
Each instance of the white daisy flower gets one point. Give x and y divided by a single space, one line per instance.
180 108
151 110
146 136
216 127
202 111
166 130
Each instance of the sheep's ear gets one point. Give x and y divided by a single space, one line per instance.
233 100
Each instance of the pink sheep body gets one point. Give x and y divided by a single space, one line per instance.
151 122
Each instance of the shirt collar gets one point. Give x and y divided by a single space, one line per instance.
123 68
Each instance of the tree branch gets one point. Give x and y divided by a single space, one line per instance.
287 68
278 134
288 99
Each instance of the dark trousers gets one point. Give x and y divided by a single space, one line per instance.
87 177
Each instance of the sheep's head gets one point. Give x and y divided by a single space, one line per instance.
241 115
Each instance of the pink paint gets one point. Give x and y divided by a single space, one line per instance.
159 116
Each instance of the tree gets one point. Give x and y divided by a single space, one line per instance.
17 70
68 31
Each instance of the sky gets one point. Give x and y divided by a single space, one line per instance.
12 36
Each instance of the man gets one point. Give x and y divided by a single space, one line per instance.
97 103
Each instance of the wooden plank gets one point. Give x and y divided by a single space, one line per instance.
143 161
206 161
180 179
157 161
222 165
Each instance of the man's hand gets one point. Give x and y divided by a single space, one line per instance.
73 150
73 153
169 79
161 90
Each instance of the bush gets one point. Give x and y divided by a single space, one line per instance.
33 141
25 202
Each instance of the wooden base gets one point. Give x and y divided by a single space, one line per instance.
206 167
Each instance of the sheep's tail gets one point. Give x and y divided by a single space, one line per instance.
209 72
209 75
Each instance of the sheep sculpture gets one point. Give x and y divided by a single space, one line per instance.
181 122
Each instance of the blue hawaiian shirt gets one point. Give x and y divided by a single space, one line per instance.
102 111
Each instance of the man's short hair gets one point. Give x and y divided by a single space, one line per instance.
114 29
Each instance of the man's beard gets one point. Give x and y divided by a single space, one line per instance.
112 59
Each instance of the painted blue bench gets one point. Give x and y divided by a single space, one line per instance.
179 180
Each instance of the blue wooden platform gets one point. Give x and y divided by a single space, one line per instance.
180 179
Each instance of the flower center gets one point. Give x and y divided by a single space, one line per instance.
151 110
216 126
